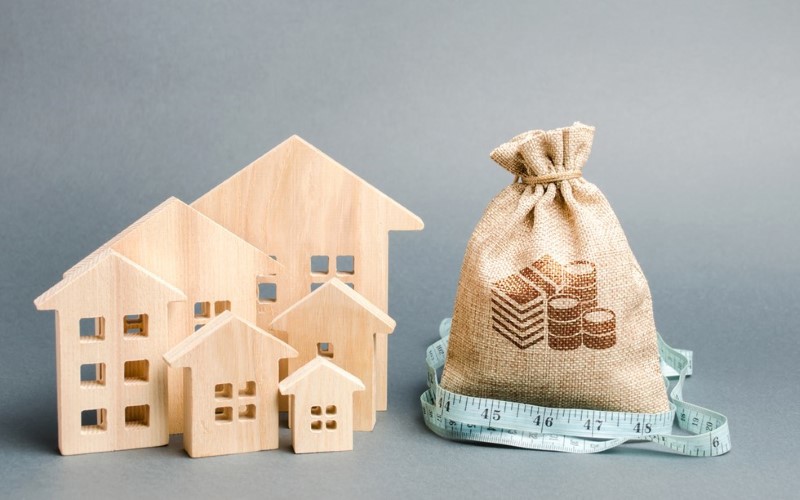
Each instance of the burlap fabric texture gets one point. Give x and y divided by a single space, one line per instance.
552 308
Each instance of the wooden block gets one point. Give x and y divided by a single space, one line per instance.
112 321
298 204
321 406
337 323
230 369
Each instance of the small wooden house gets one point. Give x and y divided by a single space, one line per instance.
216 270
338 324
320 221
112 325
230 369
321 406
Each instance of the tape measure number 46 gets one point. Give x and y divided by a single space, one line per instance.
466 418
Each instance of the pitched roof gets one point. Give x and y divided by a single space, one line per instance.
334 289
286 386
48 299
402 218
218 325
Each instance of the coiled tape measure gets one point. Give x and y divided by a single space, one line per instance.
465 418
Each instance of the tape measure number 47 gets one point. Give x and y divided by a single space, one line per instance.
466 418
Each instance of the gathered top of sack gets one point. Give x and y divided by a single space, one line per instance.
541 156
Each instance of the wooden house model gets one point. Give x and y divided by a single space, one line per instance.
321 403
336 323
320 221
230 370
112 323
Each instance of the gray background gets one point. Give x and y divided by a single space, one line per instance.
107 108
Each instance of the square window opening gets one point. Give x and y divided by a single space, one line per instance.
316 425
221 306
267 292
345 264
325 349
223 391
93 421
137 371
135 325
202 309
137 416
330 425
247 412
93 375
248 389
316 410
330 410
223 414
92 329
320 264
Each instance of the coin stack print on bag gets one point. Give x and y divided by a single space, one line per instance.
571 317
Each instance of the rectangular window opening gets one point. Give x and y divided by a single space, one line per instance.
320 264
330 410
248 389
314 286
92 329
223 414
137 371
93 375
202 309
223 391
316 425
267 292
137 416
325 349
316 410
330 425
93 421
135 325
221 306
247 412
345 264
351 285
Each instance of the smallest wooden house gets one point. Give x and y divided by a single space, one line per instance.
321 406
230 387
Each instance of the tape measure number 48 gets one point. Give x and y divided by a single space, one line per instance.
466 418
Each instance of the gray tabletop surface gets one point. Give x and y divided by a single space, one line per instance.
108 108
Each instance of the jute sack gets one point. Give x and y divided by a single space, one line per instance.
552 308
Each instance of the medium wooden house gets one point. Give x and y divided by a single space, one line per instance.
213 268
336 323
320 221
112 322
230 370
321 406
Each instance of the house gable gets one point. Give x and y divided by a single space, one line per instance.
316 371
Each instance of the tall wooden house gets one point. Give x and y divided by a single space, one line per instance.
319 220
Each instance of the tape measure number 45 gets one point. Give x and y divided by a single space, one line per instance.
465 418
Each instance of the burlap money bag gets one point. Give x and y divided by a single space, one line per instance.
552 308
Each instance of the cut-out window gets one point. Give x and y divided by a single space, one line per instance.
247 412
202 309
330 425
221 306
320 264
135 325
93 421
330 410
223 390
248 389
325 349
198 326
267 292
92 329
137 371
93 375
351 285
316 425
314 286
223 414
316 410
137 416
345 264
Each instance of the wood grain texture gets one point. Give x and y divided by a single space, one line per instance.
336 322
295 202
321 406
230 369
129 384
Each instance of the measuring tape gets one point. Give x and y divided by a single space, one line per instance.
466 418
